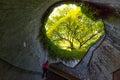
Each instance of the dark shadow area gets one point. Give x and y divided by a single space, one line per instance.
103 10
10 72
116 75
54 72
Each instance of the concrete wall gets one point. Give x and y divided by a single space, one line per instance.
106 58
19 27
20 21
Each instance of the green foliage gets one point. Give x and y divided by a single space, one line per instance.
89 11
69 32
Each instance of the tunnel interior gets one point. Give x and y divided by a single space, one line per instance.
22 52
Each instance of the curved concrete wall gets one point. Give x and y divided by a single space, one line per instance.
19 27
106 58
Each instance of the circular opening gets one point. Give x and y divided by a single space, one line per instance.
70 30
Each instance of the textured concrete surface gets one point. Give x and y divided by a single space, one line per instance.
106 58
9 72
104 62
19 44
19 27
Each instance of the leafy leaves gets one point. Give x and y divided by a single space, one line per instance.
70 32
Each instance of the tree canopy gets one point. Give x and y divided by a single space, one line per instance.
70 30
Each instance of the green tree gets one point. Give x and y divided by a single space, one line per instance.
69 28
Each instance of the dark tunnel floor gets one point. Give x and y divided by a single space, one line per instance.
9 72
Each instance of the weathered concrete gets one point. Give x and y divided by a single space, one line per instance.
19 28
106 58
19 44
9 72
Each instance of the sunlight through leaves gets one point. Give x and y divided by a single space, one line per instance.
71 32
